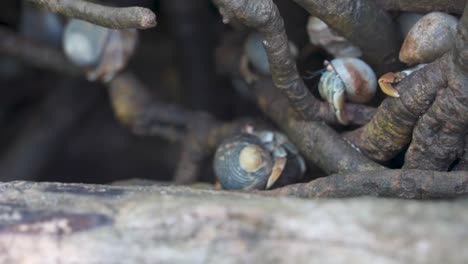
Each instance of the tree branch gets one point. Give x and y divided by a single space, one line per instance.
110 17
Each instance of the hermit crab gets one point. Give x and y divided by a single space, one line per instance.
257 160
346 78
101 51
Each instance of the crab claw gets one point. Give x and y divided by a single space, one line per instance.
280 163
338 104
385 84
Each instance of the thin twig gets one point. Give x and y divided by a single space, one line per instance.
110 17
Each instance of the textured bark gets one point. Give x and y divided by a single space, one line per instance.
390 129
365 25
77 223
438 139
316 141
110 17
408 184
423 6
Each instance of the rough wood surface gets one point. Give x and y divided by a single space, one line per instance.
76 223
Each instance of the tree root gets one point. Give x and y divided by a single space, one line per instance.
317 142
390 129
264 16
408 184
438 139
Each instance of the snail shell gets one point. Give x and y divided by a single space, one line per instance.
347 78
241 162
103 52
258 160
358 77
431 37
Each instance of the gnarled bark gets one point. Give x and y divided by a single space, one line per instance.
438 139
391 127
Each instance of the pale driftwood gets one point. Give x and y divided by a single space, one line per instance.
77 223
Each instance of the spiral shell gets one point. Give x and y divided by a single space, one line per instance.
103 52
242 162
258 160
358 77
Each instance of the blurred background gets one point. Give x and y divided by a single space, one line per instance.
57 128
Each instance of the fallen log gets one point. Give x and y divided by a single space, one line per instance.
78 223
